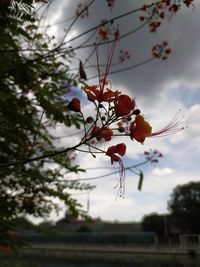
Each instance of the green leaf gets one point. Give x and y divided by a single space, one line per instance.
140 182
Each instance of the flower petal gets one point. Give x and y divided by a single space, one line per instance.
140 129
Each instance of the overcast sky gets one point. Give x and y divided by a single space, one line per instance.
161 89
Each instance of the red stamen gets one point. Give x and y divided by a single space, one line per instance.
110 56
172 127
103 77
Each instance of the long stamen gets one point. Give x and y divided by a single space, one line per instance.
110 56
98 65
172 127
121 183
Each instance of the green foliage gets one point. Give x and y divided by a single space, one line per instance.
84 229
32 81
184 207
155 223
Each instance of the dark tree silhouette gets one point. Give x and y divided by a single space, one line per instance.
184 206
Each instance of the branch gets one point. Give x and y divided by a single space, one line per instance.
53 154
111 20
108 174
125 69
74 21
111 40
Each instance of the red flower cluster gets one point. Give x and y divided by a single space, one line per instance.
115 111
154 14
161 50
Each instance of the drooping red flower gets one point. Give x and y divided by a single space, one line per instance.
75 105
112 152
119 149
123 105
140 129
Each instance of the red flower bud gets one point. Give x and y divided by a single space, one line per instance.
75 105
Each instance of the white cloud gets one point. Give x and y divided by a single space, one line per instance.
162 172
192 121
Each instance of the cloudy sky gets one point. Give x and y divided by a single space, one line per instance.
161 89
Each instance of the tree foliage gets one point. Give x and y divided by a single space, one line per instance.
154 222
184 207
31 86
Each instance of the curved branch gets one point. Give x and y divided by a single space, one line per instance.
125 69
108 174
49 155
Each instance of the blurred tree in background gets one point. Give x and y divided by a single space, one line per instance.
184 207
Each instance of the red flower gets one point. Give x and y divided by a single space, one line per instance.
109 96
93 93
105 134
123 105
5 249
75 105
103 33
140 129
119 149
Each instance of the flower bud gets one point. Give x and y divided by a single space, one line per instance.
136 111
89 119
75 105
121 129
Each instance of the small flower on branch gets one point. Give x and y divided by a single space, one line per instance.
75 105
113 153
161 50
123 105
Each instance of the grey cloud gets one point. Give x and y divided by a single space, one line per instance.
149 80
